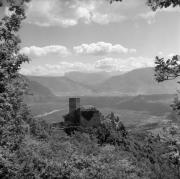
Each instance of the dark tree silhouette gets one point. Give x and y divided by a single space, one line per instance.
167 69
12 109
155 4
11 83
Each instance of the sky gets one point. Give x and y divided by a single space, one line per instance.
61 36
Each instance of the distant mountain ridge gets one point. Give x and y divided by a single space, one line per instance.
62 86
135 82
88 78
37 92
138 81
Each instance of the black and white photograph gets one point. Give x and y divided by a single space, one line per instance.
89 89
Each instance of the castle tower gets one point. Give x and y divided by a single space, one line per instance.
74 103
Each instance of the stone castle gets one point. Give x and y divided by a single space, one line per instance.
85 116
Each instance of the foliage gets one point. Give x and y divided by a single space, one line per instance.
88 114
81 156
108 151
120 154
155 4
111 1
167 70
13 112
111 131
39 129
11 83
78 156
73 117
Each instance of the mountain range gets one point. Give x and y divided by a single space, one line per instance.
62 86
89 79
135 82
37 92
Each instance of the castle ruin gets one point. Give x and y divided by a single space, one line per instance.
85 116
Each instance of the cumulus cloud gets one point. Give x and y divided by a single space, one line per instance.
108 64
57 69
113 64
43 51
101 48
105 64
70 12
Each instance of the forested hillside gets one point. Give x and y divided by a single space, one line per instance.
33 148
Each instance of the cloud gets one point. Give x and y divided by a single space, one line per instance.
99 48
67 13
104 64
57 69
43 51
102 48
150 16
108 64
167 56
113 64
107 18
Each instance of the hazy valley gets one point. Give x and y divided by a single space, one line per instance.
135 82
135 96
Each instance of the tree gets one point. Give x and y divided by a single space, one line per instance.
12 111
11 82
167 69
155 4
